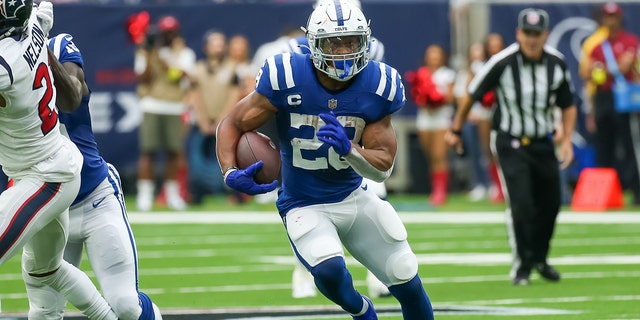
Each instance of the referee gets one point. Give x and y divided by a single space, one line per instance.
530 80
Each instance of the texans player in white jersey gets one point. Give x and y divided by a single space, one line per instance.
44 165
302 281
98 217
333 110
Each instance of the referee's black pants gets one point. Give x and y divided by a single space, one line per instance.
530 173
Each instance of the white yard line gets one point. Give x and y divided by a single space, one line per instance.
265 217
426 279
544 300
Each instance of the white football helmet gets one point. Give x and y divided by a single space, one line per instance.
353 2
338 35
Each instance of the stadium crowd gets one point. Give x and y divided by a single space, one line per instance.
436 87
446 79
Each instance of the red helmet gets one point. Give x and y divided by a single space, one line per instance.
168 23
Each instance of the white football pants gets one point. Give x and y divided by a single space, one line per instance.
100 223
368 227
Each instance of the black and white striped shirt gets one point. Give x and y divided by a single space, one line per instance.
526 91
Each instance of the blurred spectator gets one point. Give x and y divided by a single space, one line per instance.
165 65
214 90
479 120
613 138
584 68
493 44
435 112
284 43
239 52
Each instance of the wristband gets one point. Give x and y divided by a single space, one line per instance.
229 170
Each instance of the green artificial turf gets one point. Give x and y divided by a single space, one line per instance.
463 265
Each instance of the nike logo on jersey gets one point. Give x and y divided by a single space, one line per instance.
98 202
365 187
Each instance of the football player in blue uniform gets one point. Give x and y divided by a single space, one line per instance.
302 281
97 217
333 110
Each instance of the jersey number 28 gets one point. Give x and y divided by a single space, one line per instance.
306 152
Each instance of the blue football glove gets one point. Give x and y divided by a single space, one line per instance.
334 134
242 180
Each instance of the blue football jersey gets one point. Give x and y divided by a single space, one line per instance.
312 172
78 123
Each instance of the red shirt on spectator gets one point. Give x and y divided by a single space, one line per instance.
621 42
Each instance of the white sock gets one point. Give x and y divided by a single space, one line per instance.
171 188
365 307
145 187
174 200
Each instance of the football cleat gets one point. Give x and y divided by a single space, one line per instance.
548 272
522 277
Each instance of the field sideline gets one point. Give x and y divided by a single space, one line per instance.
237 265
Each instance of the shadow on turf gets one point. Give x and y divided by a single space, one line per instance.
301 313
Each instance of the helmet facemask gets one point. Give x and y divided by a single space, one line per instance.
338 35
341 57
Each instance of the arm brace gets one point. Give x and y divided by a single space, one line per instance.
364 168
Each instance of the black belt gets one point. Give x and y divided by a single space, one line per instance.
525 141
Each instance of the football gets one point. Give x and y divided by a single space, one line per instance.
254 146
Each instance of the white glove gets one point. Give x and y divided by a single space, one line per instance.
45 16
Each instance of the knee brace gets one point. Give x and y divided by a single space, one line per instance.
402 266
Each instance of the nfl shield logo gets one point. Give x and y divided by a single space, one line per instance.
533 18
333 103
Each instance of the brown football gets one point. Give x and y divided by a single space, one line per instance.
255 146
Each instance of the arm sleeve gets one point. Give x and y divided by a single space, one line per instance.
487 78
565 91
65 50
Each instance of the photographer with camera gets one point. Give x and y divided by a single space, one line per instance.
163 65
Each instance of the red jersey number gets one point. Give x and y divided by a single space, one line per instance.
46 110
